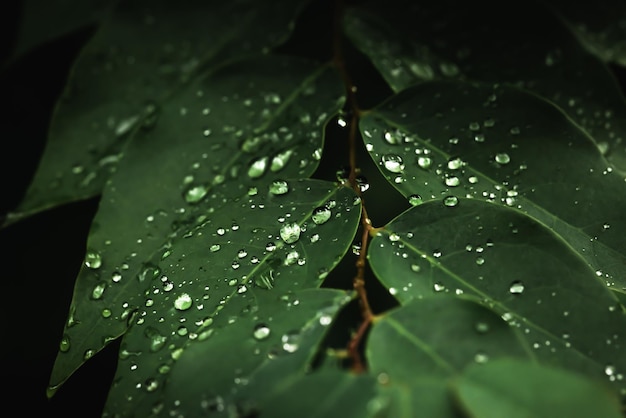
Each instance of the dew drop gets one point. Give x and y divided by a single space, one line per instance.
195 193
424 162
98 291
183 302
257 168
455 163
290 232
450 201
280 160
502 158
321 215
452 181
290 342
415 199
393 163
279 187
481 327
261 332
516 288
270 247
93 260
215 248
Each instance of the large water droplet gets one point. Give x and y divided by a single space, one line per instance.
98 291
321 215
290 232
195 193
450 201
455 163
424 162
93 260
393 163
279 187
502 158
415 199
261 332
516 288
183 302
257 168
280 160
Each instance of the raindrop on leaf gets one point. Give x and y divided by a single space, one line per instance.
183 302
290 232
321 215
516 288
261 332
279 187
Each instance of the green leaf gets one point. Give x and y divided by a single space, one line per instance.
212 361
416 348
215 178
142 56
240 246
513 265
43 21
500 144
479 41
600 26
517 389
323 394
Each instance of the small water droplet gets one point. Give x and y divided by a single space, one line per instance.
424 162
452 181
270 247
455 163
393 163
290 342
194 194
98 291
183 302
257 168
280 160
261 332
279 187
242 253
480 261
502 158
481 327
290 232
415 199
321 215
516 288
450 201
93 260
474 126
215 248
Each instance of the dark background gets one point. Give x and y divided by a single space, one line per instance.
40 256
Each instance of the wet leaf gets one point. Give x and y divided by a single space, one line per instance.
517 389
148 206
516 267
600 26
200 369
505 146
44 21
141 57
479 41
415 349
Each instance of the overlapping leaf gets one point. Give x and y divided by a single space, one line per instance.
500 144
417 348
517 389
515 266
485 41
600 26
141 56
201 364
220 154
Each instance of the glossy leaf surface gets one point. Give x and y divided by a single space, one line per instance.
205 361
415 349
226 168
140 58
517 389
480 41
503 145
516 267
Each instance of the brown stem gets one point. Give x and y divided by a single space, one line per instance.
358 282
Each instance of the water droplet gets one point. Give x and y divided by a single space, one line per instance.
424 162
195 193
214 248
439 287
279 187
393 237
481 327
362 183
502 158
481 358
270 247
291 258
415 199
257 168
450 201
93 260
393 138
261 332
474 126
516 288
290 342
242 253
183 302
452 181
290 232
480 261
280 160
609 370
393 163
151 384
321 215
455 163
98 291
